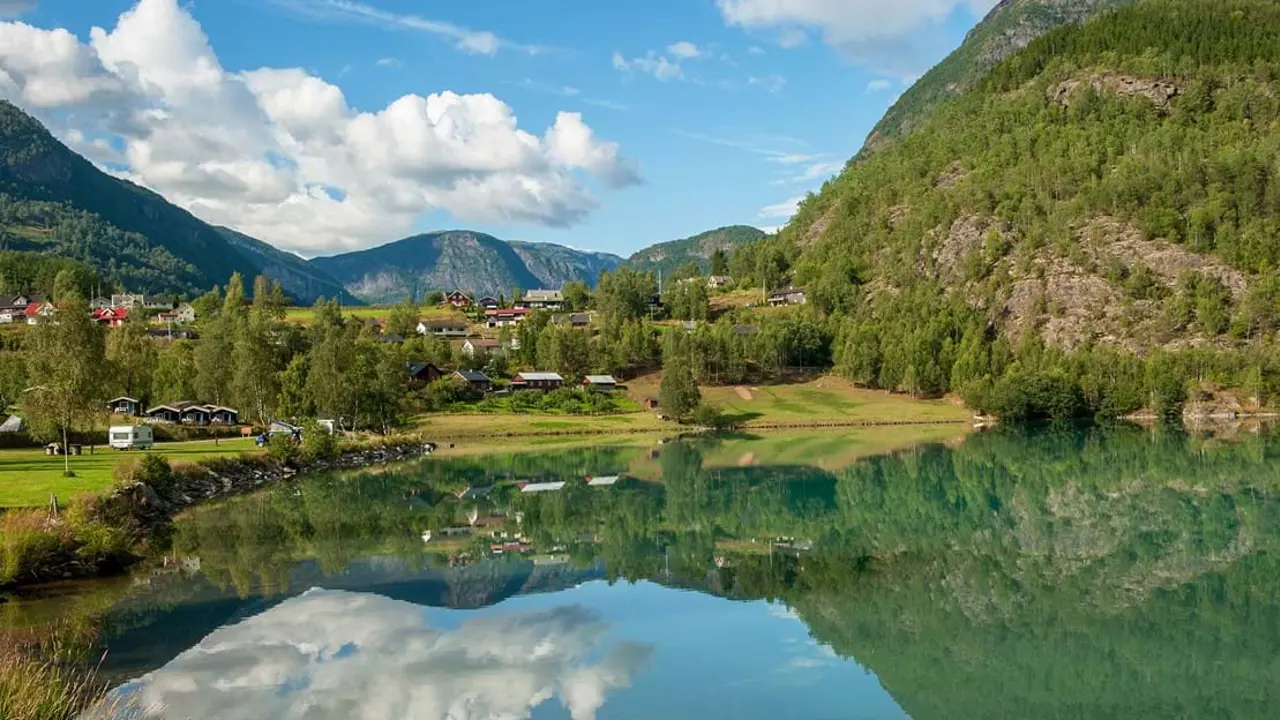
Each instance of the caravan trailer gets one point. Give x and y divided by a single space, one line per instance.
131 437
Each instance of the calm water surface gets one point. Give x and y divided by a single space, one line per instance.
1012 574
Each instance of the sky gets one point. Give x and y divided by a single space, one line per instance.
326 126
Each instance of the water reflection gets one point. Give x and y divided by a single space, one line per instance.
334 654
1060 573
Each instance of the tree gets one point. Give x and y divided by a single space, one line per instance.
576 296
434 297
678 394
256 366
719 262
295 401
173 379
66 358
403 319
66 286
132 358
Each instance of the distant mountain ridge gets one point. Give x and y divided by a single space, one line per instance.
667 256
463 260
299 278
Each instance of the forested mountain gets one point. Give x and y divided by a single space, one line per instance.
668 256
54 201
302 280
1010 26
462 260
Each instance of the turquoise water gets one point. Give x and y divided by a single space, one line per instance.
1042 573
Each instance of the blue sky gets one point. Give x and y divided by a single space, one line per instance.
690 114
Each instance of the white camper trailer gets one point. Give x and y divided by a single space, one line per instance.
131 437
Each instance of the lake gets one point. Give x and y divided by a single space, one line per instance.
1015 573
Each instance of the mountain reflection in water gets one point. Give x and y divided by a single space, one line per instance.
1047 573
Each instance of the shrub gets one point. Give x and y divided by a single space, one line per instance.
29 540
710 416
154 470
282 448
103 526
317 443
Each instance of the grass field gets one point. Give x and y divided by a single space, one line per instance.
489 425
305 315
28 477
826 400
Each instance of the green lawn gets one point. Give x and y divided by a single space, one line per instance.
28 477
305 315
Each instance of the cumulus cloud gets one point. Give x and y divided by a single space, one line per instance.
14 8
684 50
328 654
890 34
879 85
659 66
278 153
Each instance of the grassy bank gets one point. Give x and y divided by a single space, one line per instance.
28 477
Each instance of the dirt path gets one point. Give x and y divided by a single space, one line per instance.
743 393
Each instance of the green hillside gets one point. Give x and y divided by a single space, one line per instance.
54 201
1010 26
668 256
302 280
1106 193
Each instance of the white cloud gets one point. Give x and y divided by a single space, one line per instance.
659 66
478 42
684 50
880 85
894 35
784 209
755 50
548 88
772 83
606 104
328 654
389 62
14 8
278 153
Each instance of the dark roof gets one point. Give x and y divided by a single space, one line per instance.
417 368
392 339
472 376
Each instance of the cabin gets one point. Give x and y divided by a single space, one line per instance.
789 296
111 316
489 303
39 312
481 348
165 414
473 378
541 300
128 300
223 415
198 415
457 299
192 413
423 373
719 281
124 406
574 320
443 328
159 302
183 314
544 381
603 383
505 317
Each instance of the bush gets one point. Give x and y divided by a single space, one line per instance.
103 527
29 540
282 449
710 416
154 470
317 443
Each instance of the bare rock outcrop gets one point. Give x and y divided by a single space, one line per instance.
1159 91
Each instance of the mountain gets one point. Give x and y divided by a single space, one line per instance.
670 255
54 201
1009 27
459 259
302 280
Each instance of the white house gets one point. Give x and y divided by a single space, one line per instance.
443 328
543 299
481 348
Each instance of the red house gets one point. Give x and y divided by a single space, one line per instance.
111 316
458 300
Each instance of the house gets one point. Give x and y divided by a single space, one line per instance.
99 302
576 320
443 328
128 300
529 488
537 381
790 296
38 312
542 299
196 415
474 493
458 300
719 281
124 406
165 414
424 373
489 303
111 316
223 415
604 383
159 302
505 317
7 316
476 379
181 315
481 348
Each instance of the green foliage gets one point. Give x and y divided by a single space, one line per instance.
678 394
318 444
150 469
701 249
283 449
27 542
